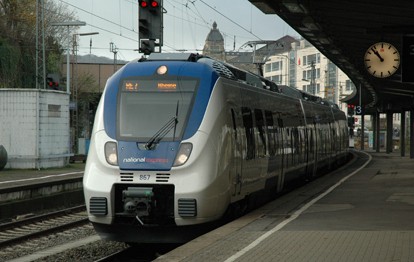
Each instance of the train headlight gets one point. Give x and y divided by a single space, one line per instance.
183 154
111 154
162 70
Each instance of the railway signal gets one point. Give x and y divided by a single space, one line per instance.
52 81
351 119
147 46
150 26
351 110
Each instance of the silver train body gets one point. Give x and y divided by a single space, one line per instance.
224 136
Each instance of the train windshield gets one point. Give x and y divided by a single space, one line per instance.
154 109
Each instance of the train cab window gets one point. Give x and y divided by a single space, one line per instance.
248 126
146 106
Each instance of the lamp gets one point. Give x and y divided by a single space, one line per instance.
310 24
294 7
69 23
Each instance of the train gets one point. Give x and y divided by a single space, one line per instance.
181 140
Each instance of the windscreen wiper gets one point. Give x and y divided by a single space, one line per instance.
156 138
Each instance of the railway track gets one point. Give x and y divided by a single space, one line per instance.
49 236
15 232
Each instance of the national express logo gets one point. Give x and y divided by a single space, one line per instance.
144 160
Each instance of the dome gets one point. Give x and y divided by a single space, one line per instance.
214 34
214 45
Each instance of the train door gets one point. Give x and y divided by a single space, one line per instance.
317 145
262 159
313 149
312 157
236 171
274 137
280 157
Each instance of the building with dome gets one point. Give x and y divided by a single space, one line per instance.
214 45
286 61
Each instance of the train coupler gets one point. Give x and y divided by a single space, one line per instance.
138 201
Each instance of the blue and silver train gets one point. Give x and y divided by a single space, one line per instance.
181 139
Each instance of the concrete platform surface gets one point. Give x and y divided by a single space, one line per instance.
351 214
22 177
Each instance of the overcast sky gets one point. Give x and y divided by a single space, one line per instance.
186 25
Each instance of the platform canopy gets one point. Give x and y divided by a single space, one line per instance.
343 30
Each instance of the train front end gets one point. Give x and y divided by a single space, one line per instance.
145 176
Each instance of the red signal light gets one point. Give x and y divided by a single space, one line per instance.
154 4
52 84
144 4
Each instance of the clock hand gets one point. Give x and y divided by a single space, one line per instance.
377 54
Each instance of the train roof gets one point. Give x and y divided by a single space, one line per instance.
229 71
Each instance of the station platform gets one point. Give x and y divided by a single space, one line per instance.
24 177
29 191
366 214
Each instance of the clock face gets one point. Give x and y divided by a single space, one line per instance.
382 60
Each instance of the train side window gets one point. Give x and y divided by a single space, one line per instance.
295 145
280 122
260 126
248 127
233 118
311 143
270 132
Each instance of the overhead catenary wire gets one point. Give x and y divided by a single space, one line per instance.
112 32
118 25
196 15
230 20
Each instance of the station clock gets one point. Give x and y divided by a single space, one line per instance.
382 60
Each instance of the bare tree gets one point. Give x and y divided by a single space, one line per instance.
18 40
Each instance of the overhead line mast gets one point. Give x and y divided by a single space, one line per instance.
40 47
